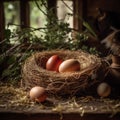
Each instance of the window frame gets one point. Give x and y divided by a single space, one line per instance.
78 8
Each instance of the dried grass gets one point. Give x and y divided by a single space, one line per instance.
17 100
69 83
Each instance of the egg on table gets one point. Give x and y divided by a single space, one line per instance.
38 94
53 63
104 89
70 65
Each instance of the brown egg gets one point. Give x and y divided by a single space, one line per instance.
53 63
70 65
38 94
103 89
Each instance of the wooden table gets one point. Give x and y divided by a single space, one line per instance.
92 110
55 116
16 105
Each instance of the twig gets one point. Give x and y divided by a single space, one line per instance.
29 26
9 51
25 53
40 8
67 6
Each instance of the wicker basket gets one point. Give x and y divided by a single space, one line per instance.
68 83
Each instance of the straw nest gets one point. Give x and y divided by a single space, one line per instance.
67 83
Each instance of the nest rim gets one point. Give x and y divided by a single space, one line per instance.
63 78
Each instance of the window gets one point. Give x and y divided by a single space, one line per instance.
37 17
65 11
12 15
25 13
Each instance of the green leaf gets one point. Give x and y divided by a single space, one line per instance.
89 28
7 33
12 59
1 60
6 73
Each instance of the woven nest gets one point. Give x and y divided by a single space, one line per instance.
67 83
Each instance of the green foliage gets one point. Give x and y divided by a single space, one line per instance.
89 28
55 35
7 34
11 55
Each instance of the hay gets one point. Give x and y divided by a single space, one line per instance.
16 100
68 83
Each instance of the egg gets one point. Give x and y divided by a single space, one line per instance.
104 89
70 65
53 63
38 94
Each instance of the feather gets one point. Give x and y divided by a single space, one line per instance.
112 42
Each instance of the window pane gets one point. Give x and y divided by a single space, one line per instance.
64 9
12 18
12 14
37 17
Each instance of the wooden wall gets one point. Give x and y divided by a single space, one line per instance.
112 7
108 5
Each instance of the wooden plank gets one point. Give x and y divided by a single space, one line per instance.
2 21
24 14
80 13
96 109
55 116
16 0
75 8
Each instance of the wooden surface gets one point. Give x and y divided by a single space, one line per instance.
54 116
15 104
63 110
47 115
